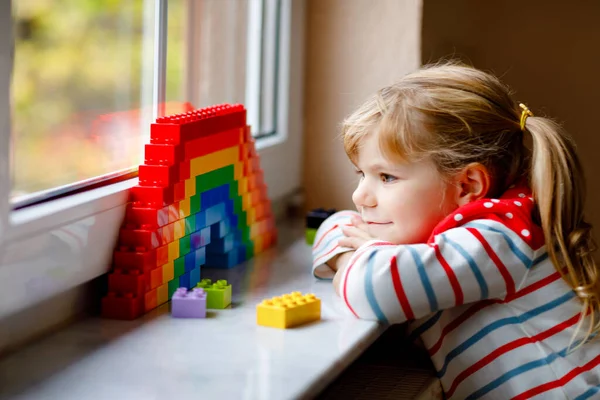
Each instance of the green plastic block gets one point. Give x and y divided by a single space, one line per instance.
218 293
173 286
184 245
310 235
195 204
179 267
190 224
212 179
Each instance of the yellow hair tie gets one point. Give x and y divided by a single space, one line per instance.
526 113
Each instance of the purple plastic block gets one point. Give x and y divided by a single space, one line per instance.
186 304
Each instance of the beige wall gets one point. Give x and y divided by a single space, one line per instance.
353 47
547 51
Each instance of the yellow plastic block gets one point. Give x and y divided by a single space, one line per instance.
168 271
288 310
162 294
173 250
216 160
184 207
179 229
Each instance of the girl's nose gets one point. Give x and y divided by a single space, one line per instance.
363 197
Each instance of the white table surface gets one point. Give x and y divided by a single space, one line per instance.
226 356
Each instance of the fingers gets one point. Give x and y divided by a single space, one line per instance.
352 242
353 231
359 223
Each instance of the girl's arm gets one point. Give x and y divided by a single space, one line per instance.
482 259
326 250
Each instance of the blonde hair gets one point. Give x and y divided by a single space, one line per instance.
455 115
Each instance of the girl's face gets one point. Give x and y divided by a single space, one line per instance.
400 202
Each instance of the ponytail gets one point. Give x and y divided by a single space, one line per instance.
559 189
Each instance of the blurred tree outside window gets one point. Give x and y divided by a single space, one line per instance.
82 87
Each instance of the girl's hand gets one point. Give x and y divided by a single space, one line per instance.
356 235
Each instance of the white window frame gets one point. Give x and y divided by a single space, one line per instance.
49 248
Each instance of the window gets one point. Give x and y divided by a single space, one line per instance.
76 99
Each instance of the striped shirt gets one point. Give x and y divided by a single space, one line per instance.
491 309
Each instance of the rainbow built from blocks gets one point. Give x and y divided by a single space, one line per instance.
201 201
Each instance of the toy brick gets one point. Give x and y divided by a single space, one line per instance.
128 281
152 195
184 209
139 215
166 234
141 260
215 214
190 304
170 131
212 143
173 249
200 238
184 280
217 160
158 175
194 276
173 285
162 154
162 294
289 310
218 293
156 277
168 271
179 266
190 224
315 218
146 238
310 235
127 306
178 229
184 245
150 300
179 191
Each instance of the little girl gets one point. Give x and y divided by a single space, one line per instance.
471 225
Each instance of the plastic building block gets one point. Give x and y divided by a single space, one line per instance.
310 235
201 201
315 218
219 293
289 310
186 304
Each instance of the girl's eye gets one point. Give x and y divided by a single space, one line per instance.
360 173
387 178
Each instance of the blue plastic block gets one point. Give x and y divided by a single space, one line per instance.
184 280
194 276
200 239
200 256
241 252
215 214
190 261
223 245
215 196
200 220
220 229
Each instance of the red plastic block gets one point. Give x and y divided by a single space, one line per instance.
163 154
146 238
156 278
176 130
128 281
138 215
141 259
158 175
153 196
212 143
127 306
150 300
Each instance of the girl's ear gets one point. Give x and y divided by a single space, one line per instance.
473 183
